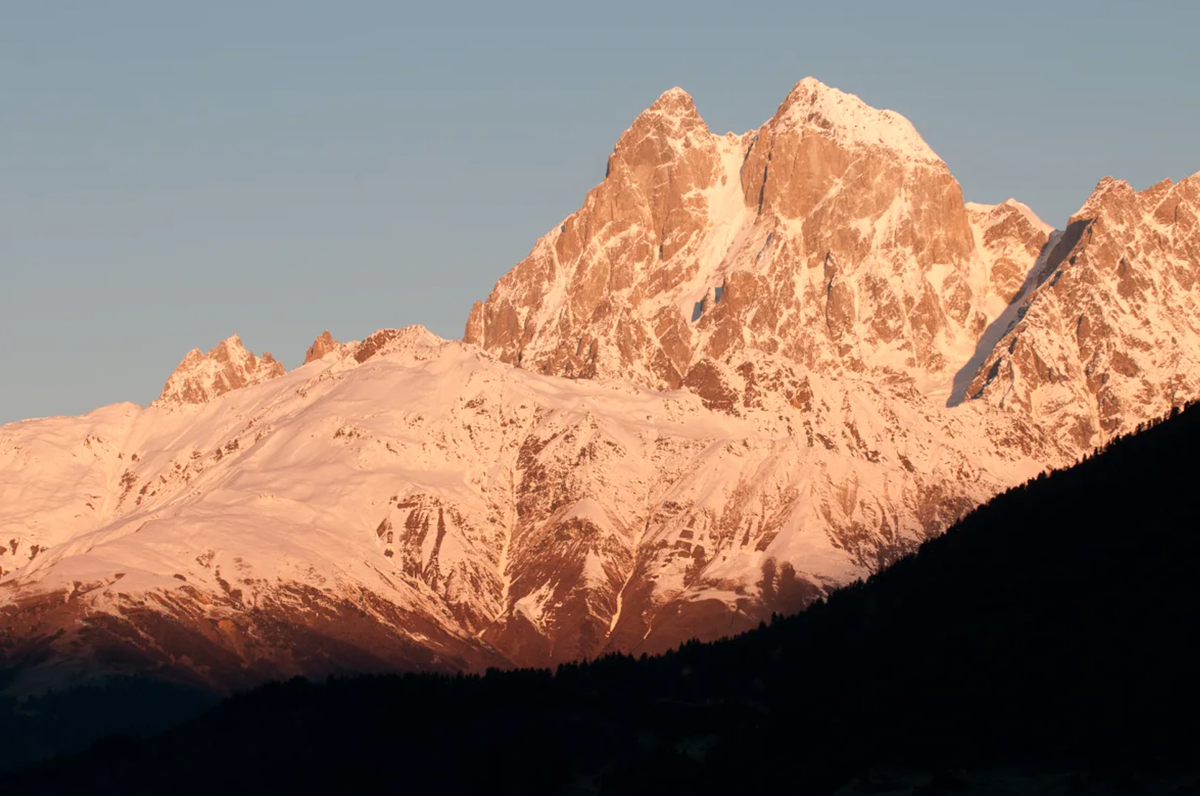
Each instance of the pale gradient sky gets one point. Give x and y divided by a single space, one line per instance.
171 173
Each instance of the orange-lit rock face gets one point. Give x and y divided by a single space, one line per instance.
323 345
1111 335
832 235
1011 238
229 366
573 307
829 160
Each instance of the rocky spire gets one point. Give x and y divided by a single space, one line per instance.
320 347
229 366
639 230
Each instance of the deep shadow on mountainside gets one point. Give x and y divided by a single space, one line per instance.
1051 635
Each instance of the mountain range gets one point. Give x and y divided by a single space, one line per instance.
749 370
1043 645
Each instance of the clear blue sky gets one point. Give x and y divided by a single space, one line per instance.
171 173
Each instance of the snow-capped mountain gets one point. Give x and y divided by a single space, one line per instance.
832 236
749 369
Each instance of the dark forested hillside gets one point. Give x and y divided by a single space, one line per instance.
1055 627
71 719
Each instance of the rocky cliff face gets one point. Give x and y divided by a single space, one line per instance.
832 236
749 369
1110 335
1009 237
323 345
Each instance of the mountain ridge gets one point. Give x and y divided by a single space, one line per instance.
748 370
1018 653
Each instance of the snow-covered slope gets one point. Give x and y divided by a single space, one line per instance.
749 369
430 506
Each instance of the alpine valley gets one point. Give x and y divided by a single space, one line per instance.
748 370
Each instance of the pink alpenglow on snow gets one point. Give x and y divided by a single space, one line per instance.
749 369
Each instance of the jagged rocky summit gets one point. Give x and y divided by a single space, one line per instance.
229 366
323 345
749 369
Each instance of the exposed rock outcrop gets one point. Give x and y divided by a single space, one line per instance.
1110 337
229 366
323 345
833 236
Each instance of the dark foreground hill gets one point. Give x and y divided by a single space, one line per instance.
1048 643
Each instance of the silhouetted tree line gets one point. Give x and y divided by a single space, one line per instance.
1057 622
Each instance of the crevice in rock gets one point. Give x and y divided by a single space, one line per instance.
763 188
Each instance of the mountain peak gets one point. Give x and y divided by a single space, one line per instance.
673 117
229 365
415 339
816 107
1027 212
673 98
1112 198
811 85
619 288
1004 215
320 347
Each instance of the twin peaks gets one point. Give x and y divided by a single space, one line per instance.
749 369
